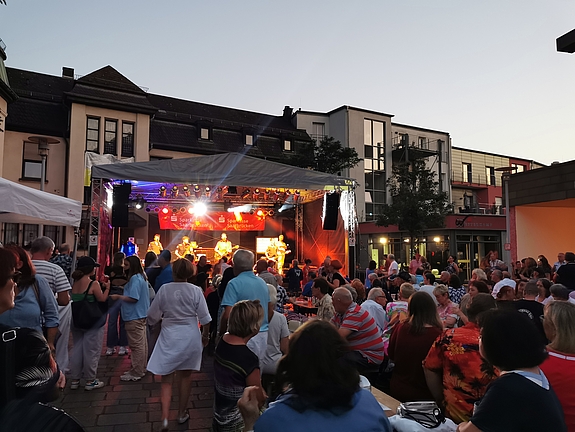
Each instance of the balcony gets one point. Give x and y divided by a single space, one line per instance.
477 181
482 208
402 149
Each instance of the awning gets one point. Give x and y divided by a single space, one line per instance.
231 169
22 204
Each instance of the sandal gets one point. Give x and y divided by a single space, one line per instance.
184 418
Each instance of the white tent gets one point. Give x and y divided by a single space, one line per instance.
21 204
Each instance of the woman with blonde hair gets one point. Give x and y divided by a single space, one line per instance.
559 367
180 306
446 308
478 274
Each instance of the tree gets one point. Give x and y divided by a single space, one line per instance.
417 202
327 156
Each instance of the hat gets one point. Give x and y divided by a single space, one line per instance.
336 264
87 262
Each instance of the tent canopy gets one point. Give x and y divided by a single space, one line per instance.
22 204
232 169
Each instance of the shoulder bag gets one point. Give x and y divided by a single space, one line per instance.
86 314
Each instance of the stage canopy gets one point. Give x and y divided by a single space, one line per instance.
21 204
232 169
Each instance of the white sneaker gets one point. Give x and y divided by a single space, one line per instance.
74 384
96 384
110 351
129 377
123 351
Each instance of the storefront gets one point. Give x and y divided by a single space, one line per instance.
468 237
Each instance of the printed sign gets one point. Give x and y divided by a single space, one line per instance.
214 221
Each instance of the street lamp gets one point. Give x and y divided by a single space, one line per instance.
505 176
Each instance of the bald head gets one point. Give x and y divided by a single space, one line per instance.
342 299
445 276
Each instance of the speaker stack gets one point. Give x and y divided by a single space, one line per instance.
331 211
121 196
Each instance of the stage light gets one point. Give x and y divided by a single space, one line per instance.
208 189
271 212
276 195
162 192
296 195
200 209
436 239
148 209
383 240
182 209
174 210
156 209
252 211
165 210
175 192
245 193
186 191
140 202
260 213
268 191
197 192
190 210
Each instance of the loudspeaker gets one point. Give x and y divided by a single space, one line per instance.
121 196
331 204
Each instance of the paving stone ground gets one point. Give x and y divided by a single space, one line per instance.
135 406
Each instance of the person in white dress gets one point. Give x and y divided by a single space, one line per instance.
178 351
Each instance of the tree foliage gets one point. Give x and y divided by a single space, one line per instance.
327 156
417 202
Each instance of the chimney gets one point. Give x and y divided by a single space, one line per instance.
288 112
68 72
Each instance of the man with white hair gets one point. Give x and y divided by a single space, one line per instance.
501 279
375 305
278 336
247 286
359 328
41 251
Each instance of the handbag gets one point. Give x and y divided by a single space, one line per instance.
86 314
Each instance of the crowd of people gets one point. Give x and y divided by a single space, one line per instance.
481 351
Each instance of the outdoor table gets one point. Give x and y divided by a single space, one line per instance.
386 400
304 307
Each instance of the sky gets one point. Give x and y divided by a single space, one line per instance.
487 72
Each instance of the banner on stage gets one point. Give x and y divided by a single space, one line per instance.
214 221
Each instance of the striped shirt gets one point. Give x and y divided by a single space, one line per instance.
365 336
53 274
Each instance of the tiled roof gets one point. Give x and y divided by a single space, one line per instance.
108 77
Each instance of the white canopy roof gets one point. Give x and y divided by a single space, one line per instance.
22 204
233 169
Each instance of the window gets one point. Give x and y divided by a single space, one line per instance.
52 232
249 140
374 166
30 233
318 131
423 142
467 173
93 135
204 133
518 168
490 175
10 233
127 139
287 145
31 162
110 141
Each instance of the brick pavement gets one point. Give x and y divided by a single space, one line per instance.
135 406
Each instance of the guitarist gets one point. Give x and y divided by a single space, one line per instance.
223 248
281 252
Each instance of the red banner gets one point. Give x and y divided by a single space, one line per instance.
214 221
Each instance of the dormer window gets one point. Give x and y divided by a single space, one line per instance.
249 140
287 145
204 133
204 130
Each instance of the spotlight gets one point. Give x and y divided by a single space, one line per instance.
260 213
162 192
175 192
140 202
174 210
296 195
271 212
197 192
182 209
245 193
156 209
252 211
200 209
165 210
186 191
276 195
207 189
148 209
190 210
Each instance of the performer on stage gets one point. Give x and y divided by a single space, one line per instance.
155 246
272 251
130 247
223 248
282 251
184 248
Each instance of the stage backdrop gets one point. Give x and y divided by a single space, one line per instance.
213 221
318 243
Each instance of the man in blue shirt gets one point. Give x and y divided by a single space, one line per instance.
165 275
307 288
247 286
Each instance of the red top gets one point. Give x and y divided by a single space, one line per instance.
559 368
408 350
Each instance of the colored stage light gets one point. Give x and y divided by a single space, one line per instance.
175 192
271 212
165 210
197 192
186 191
162 192
208 189
200 209
190 210
245 193
260 213
156 209
182 209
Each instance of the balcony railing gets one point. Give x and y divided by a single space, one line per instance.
475 179
482 208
